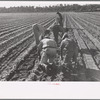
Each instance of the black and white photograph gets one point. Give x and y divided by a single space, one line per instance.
49 49
49 41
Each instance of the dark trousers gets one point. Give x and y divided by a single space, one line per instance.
56 30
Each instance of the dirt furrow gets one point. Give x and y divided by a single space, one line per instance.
13 57
93 49
9 31
93 72
38 76
20 22
22 30
93 30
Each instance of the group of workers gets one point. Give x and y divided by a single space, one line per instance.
48 47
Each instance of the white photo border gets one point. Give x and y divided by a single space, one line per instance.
50 90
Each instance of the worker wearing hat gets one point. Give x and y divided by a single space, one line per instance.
47 47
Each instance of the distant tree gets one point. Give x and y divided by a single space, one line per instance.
61 8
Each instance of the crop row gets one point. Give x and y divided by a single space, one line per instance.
87 43
88 18
13 40
19 31
91 15
19 58
20 25
94 46
18 19
92 28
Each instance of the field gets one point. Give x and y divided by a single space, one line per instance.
18 56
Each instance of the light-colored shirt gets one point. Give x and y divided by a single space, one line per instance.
69 44
46 42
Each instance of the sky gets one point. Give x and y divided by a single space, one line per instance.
8 4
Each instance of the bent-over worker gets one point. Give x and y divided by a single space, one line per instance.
48 49
38 31
71 49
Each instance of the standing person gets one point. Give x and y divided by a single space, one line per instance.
58 27
59 19
71 49
48 49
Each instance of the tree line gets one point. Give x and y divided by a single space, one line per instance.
61 8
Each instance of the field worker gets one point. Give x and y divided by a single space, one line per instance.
56 32
57 27
47 47
59 18
71 49
38 31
